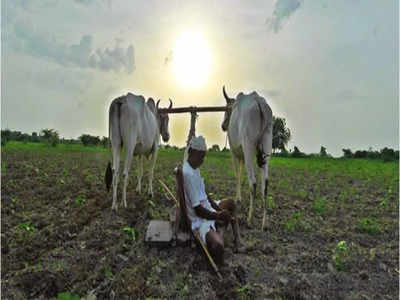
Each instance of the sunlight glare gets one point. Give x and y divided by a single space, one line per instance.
191 60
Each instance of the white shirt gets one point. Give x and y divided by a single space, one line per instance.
195 194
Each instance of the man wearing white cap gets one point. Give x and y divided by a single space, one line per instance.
201 209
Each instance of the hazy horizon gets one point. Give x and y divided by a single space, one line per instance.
331 69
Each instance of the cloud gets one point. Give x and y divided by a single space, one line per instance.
283 10
23 37
22 33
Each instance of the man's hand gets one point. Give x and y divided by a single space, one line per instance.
224 215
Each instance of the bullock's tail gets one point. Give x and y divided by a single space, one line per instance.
265 123
108 176
113 122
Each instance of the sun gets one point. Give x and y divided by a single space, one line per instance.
191 60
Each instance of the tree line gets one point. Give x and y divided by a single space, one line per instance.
280 139
51 137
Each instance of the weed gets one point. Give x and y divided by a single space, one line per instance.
372 252
384 203
130 232
302 193
80 200
270 202
28 227
341 255
244 292
3 167
108 272
320 205
369 225
67 296
294 223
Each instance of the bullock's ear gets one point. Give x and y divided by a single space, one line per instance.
151 105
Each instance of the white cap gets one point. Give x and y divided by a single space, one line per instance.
198 143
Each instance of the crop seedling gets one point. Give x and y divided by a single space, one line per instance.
320 205
130 232
293 223
108 272
28 227
244 292
341 255
67 296
369 225
80 200
270 202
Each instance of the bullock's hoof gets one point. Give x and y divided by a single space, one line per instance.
150 196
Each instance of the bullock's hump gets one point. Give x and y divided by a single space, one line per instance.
133 97
246 97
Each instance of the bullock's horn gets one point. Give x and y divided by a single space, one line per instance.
170 103
228 100
158 102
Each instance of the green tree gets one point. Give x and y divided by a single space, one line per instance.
347 153
281 134
104 141
322 152
88 140
297 153
5 136
35 137
50 136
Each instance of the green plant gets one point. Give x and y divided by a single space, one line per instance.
244 292
320 205
67 296
369 225
27 227
270 202
80 200
341 255
108 272
3 167
130 232
294 222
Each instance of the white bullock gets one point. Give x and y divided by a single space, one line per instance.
248 120
135 125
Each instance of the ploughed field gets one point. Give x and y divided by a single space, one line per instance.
331 231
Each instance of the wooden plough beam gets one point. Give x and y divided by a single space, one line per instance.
193 110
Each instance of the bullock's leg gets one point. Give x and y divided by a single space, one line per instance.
249 162
116 149
152 166
140 174
264 188
267 149
237 168
127 166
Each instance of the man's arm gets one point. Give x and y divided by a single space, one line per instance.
204 213
213 203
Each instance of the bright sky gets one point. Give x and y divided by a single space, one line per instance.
330 68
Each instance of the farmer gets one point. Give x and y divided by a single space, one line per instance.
205 214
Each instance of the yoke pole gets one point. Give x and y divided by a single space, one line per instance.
191 109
